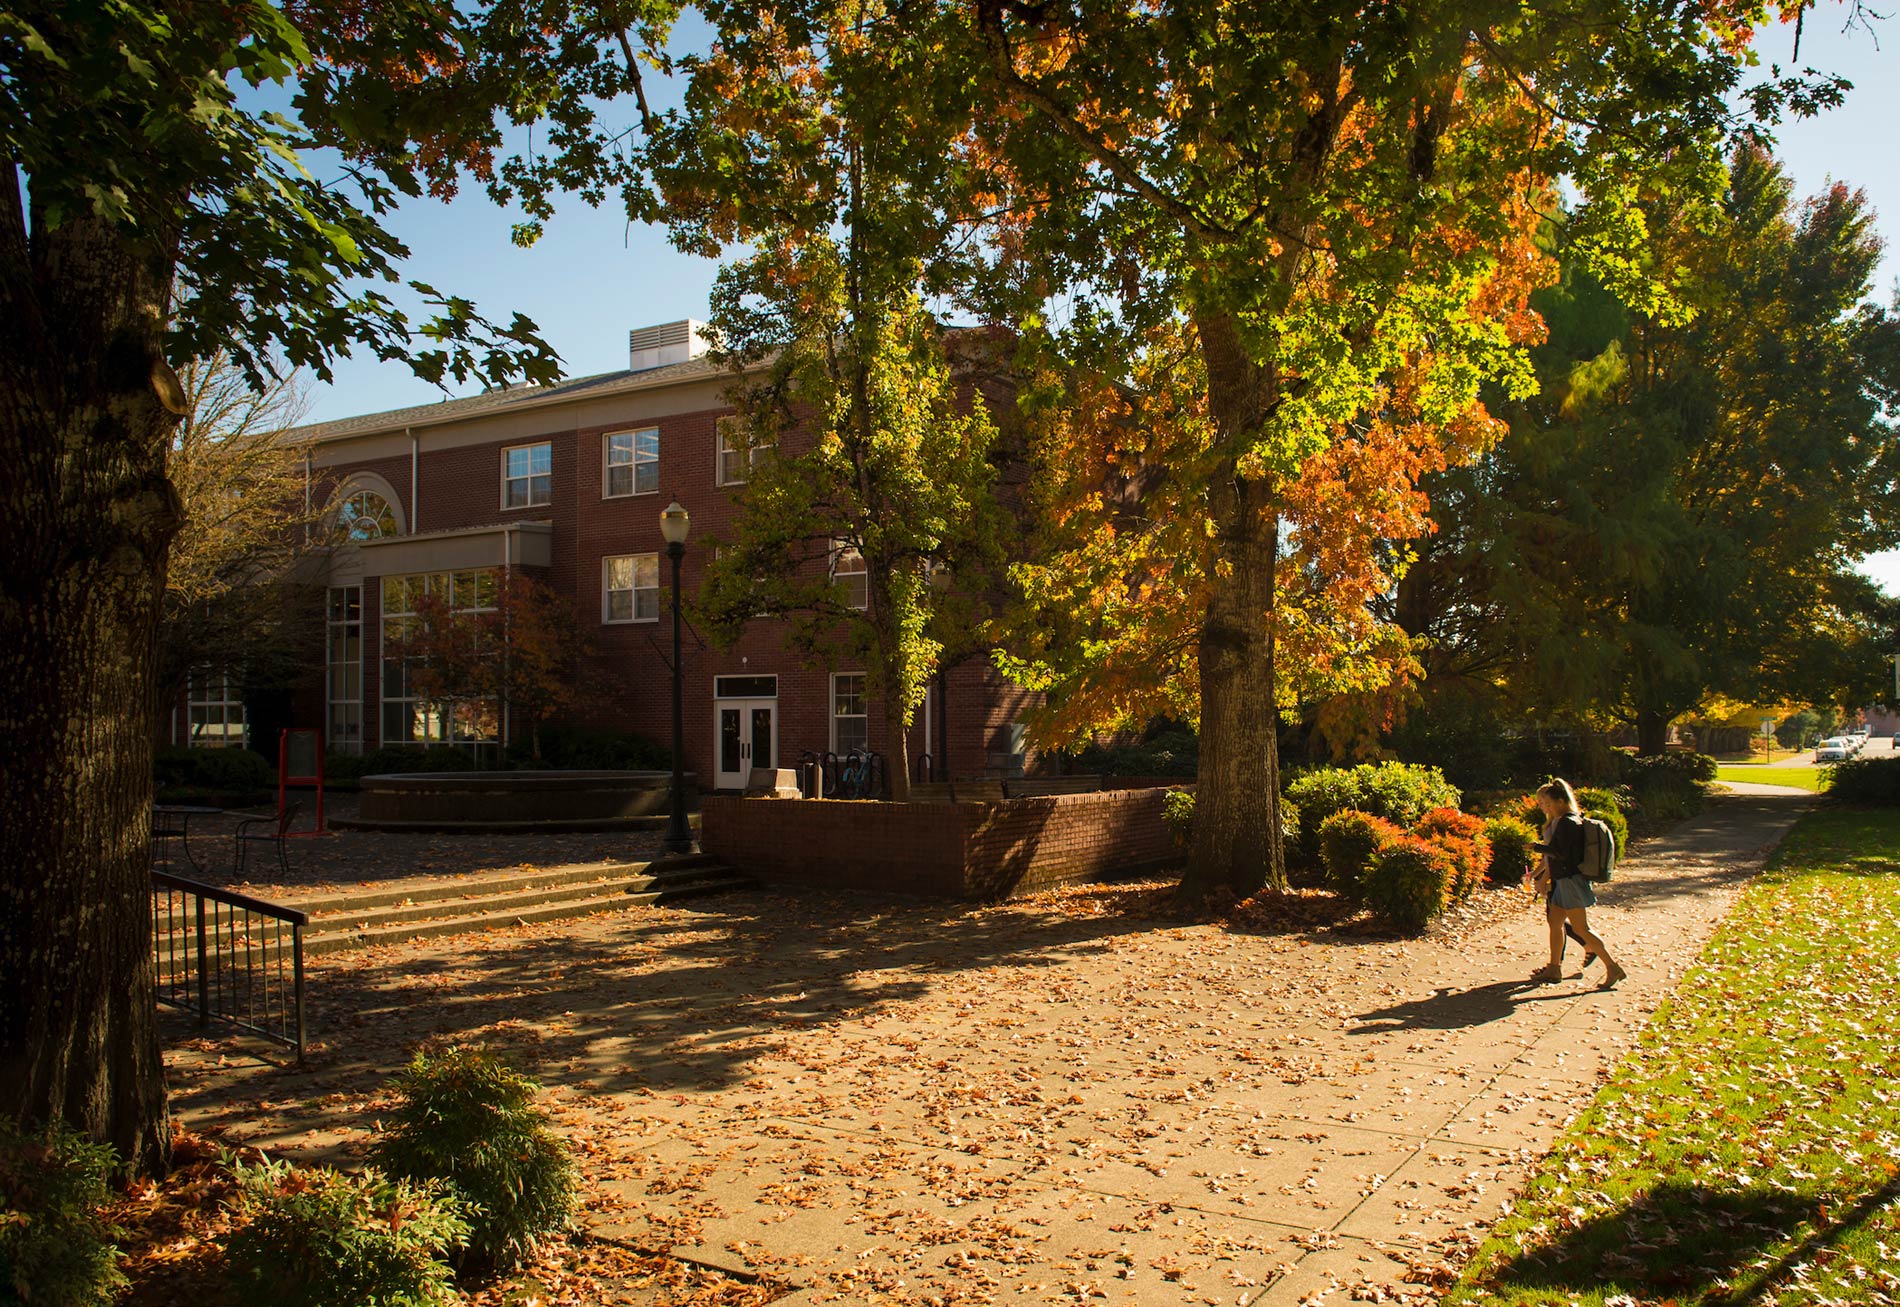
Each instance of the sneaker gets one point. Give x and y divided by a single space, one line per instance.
1547 974
1615 974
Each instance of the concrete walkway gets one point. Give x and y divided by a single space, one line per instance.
1184 1115
1038 1102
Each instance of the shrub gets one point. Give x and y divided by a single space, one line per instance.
1347 842
322 1238
1511 842
55 1245
1610 814
1596 799
466 1118
1666 797
1164 750
1409 882
1873 781
1462 836
219 771
581 748
1399 792
1177 809
1687 766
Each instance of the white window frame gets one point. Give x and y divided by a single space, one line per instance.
862 585
467 589
340 629
833 716
635 462
608 590
530 476
211 695
723 448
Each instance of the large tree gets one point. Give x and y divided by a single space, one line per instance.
868 520
1320 201
241 601
1678 513
150 215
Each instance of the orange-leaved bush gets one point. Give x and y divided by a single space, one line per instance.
1462 836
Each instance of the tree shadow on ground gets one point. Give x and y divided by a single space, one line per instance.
1683 1240
685 999
1457 1009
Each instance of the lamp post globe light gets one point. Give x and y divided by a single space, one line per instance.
674 521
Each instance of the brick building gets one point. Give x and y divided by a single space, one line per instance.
567 482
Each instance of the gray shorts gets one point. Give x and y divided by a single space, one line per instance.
1571 892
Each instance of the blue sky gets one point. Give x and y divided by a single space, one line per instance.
593 277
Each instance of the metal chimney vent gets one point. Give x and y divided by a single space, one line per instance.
670 342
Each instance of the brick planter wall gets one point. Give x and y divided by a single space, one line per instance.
943 850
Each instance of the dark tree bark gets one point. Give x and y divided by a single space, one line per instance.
1652 733
1236 842
87 407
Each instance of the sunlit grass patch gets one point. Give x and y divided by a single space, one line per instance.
1750 1151
1802 778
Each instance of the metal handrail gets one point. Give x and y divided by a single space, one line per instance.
230 967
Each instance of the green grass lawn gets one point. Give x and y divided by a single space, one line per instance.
1750 1151
1805 778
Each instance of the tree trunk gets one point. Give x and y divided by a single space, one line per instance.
1236 844
899 766
89 511
1652 733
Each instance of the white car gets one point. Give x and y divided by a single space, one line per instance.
1832 750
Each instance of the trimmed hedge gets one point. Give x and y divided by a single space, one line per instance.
1687 766
1399 792
1872 781
224 771
1347 843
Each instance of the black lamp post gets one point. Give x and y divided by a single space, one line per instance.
674 520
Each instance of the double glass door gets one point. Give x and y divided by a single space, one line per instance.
745 736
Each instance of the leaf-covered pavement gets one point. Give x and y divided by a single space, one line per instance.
1750 1152
1054 1100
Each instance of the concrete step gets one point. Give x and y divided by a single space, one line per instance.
336 932
368 917
423 910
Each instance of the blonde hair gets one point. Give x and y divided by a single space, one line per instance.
1558 790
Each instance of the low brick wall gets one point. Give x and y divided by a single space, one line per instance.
943 850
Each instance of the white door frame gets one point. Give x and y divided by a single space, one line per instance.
723 778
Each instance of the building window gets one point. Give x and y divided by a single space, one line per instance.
366 515
214 710
343 658
630 588
847 569
633 463
527 476
737 453
849 723
408 717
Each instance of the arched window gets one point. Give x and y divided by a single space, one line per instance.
366 515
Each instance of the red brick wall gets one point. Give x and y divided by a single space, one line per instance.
628 674
941 850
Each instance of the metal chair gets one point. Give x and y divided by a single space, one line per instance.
278 828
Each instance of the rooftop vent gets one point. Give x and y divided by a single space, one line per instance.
670 342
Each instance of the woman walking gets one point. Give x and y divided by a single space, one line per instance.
1567 894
